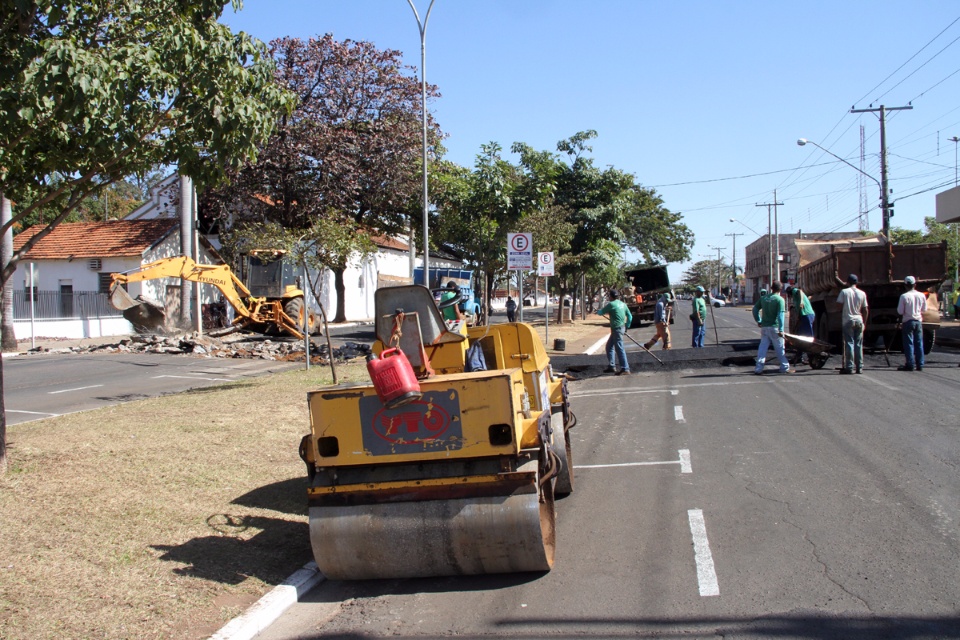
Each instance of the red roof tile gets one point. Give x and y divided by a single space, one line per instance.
95 239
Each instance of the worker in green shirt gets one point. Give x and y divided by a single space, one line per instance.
699 318
804 310
620 318
768 312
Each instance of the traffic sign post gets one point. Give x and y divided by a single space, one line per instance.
545 269
520 258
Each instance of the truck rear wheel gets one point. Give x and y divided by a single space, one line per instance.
929 335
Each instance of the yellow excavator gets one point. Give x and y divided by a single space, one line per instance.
270 302
462 477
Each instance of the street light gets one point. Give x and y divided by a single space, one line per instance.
884 204
748 228
423 115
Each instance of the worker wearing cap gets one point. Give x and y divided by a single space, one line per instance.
699 318
620 318
661 318
451 313
853 314
911 307
768 313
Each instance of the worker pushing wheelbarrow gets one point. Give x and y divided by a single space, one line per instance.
818 351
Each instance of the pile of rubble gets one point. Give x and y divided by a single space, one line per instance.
233 346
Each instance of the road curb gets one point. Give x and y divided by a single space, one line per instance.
271 606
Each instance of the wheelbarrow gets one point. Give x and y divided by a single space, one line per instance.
818 351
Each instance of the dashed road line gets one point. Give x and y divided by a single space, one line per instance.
34 413
684 463
706 574
93 386
678 413
882 384
197 378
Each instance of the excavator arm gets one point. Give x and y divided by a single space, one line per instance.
250 310
185 268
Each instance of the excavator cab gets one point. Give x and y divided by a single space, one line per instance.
268 275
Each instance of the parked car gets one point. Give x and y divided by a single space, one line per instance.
718 301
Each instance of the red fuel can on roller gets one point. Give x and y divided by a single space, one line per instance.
393 378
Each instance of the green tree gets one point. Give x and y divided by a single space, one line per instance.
477 210
92 92
704 273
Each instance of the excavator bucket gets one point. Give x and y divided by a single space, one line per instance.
145 316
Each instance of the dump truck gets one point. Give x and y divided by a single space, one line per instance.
646 285
463 278
270 302
462 480
881 268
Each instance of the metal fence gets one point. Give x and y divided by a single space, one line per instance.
62 305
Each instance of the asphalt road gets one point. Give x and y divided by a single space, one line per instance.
44 386
715 503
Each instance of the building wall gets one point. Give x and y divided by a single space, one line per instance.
360 283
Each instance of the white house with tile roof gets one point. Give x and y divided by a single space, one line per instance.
71 269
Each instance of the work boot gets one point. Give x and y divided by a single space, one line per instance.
624 372
904 367
610 370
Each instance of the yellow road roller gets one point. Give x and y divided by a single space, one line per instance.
458 478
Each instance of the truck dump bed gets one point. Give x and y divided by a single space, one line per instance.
876 265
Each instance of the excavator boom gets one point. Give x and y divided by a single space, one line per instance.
251 311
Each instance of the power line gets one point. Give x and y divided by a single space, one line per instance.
918 69
908 61
750 175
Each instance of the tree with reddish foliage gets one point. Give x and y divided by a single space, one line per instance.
350 151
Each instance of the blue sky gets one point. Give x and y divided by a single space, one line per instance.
689 96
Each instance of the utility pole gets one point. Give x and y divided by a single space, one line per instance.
956 226
884 190
719 249
735 281
770 270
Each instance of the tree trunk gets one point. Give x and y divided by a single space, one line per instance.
341 290
8 338
3 426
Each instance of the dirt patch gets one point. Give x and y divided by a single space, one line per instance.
159 518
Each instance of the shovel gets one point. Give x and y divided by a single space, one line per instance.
642 347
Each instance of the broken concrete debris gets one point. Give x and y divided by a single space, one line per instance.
242 346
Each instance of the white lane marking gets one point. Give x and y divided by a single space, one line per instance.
706 574
592 350
882 384
684 463
673 390
622 391
34 413
196 378
93 386
678 413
